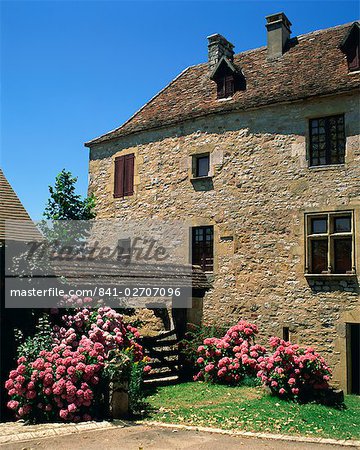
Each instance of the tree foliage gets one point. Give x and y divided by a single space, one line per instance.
65 204
68 215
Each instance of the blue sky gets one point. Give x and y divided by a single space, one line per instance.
71 71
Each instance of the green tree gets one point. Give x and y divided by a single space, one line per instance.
68 215
65 204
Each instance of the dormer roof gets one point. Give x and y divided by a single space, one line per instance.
223 62
352 33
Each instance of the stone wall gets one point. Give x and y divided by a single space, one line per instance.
256 199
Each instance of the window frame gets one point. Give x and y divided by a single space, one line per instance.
195 168
203 264
331 236
125 245
286 334
354 52
328 161
351 47
225 86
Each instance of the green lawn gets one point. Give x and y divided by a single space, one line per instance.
251 409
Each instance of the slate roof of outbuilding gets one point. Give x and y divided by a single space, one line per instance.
313 65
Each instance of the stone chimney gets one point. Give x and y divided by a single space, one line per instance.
278 33
218 46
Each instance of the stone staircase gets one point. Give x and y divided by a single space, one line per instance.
163 352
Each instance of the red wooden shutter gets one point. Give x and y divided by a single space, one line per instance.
119 176
129 175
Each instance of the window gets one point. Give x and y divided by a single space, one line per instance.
353 57
123 248
286 334
225 86
353 357
327 141
228 78
201 165
330 243
203 247
350 46
124 176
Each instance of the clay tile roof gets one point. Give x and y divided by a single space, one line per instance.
11 209
312 65
93 272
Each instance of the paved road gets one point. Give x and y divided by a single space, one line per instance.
141 437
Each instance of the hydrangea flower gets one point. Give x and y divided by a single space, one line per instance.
62 383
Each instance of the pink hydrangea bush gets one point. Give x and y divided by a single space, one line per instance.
59 384
230 358
65 382
104 325
291 371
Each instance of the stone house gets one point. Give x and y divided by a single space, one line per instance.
260 151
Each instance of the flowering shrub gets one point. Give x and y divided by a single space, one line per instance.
188 347
59 382
292 370
230 358
64 381
104 325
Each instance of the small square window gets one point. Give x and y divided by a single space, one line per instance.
201 165
123 248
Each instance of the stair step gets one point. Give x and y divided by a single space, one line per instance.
162 381
159 337
162 353
156 364
162 374
168 343
165 334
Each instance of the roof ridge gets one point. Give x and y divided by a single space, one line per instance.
191 72
300 36
321 30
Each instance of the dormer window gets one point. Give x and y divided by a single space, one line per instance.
350 46
353 57
225 86
228 78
